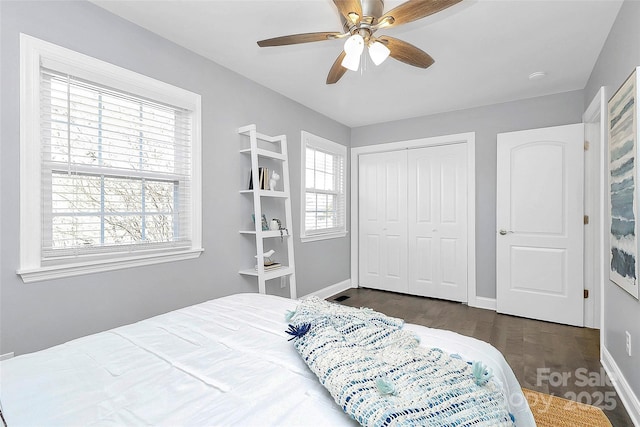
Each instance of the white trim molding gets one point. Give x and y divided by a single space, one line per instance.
325 236
77 269
469 139
35 53
338 151
330 290
596 234
6 356
626 394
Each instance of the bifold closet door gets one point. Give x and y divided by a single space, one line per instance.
437 222
383 221
413 221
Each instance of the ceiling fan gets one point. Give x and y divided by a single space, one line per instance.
360 20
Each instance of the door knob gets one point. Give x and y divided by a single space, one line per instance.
503 232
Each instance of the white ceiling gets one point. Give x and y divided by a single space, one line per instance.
484 51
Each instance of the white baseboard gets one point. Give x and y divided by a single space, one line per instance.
330 290
6 356
483 302
627 396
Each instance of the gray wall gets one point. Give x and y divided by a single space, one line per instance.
619 56
486 122
35 316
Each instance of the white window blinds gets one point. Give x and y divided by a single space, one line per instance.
116 170
324 187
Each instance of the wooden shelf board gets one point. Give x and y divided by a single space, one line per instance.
265 153
266 234
267 193
270 274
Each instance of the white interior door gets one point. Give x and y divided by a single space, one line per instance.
437 222
540 224
383 221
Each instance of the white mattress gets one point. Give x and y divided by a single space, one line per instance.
220 363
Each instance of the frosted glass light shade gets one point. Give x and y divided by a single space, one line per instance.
378 52
351 62
353 47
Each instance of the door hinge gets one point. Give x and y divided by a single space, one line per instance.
586 146
586 293
586 219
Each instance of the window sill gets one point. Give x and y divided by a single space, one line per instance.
69 270
314 238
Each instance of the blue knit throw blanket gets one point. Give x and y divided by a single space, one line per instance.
380 376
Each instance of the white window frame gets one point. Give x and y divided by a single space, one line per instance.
309 139
33 53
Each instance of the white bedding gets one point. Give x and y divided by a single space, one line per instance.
220 363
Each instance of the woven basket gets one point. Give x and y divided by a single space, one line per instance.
552 411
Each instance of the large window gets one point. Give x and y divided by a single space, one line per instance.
323 188
110 173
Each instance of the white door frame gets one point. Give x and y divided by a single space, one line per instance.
596 182
469 139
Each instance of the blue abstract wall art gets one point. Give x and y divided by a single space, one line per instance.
623 184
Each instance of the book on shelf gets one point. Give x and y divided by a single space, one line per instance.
263 179
270 266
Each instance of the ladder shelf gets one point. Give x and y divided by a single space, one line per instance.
273 149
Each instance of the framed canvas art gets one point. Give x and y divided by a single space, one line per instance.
623 185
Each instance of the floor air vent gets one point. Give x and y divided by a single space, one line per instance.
341 298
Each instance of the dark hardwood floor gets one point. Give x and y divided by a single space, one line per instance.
539 353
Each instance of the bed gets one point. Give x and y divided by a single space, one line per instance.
225 362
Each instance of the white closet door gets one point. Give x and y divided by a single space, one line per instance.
383 221
437 222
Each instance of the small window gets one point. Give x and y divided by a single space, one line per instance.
110 174
323 188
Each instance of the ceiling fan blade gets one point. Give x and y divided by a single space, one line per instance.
299 38
406 52
348 8
337 70
413 10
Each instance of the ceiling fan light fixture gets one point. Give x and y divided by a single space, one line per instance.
359 20
354 45
353 48
378 52
351 62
